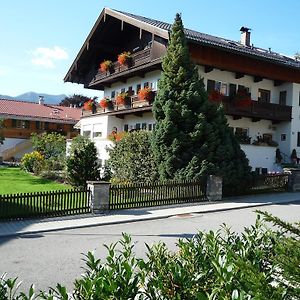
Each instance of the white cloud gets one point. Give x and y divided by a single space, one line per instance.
46 57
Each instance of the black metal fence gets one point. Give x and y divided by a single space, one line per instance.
270 183
39 204
155 194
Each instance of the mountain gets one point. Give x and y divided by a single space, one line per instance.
34 97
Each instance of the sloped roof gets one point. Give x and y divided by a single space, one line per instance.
31 110
219 42
163 29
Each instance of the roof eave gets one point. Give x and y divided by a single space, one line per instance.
107 11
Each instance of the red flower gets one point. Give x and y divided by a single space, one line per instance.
105 102
106 65
146 94
215 96
124 58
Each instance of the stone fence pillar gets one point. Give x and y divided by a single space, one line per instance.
99 201
214 188
294 180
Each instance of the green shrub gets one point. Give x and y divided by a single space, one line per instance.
82 162
259 263
31 160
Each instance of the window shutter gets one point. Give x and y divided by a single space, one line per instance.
210 85
232 90
282 98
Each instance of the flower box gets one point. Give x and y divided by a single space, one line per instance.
106 104
106 66
125 58
123 99
242 99
215 96
89 105
146 94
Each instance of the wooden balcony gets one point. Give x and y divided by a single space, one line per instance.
259 110
139 61
256 110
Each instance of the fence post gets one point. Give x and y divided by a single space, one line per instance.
99 192
214 188
294 180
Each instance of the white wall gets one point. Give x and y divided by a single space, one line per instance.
261 157
151 77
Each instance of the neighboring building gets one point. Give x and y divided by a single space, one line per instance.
21 119
270 118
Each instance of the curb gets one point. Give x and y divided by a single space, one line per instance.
143 218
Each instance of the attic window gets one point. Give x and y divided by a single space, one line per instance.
55 112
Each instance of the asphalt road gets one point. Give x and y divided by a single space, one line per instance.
48 258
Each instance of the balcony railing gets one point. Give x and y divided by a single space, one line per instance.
138 59
258 110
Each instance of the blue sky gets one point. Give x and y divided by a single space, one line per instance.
40 38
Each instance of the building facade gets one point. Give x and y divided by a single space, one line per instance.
22 118
259 89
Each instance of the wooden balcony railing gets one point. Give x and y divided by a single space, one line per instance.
259 110
138 59
256 110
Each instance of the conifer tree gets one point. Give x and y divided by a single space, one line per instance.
192 137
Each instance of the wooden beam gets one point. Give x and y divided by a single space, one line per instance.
239 75
122 25
104 17
278 82
255 119
208 69
257 79
88 45
141 33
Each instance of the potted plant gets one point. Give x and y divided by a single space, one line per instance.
106 66
215 96
106 103
278 156
123 99
124 58
146 94
242 99
90 105
294 157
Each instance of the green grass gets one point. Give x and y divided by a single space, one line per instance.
14 180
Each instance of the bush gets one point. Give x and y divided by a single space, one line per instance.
259 263
131 158
32 160
82 162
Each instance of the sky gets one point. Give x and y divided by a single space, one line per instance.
39 39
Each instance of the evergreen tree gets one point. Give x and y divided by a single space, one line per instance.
192 137
82 162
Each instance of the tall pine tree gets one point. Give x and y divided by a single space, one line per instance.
192 137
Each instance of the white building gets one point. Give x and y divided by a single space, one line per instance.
270 120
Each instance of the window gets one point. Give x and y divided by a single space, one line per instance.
123 90
130 91
146 84
150 127
97 134
137 126
144 126
283 137
20 124
126 127
138 87
86 133
298 139
38 124
264 95
282 98
299 98
113 94
220 86
46 125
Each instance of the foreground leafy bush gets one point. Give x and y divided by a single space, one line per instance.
258 264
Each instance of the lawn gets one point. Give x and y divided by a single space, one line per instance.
14 180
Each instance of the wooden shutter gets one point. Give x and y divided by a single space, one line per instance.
232 90
282 98
210 85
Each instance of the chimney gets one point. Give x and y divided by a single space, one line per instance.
41 100
245 36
